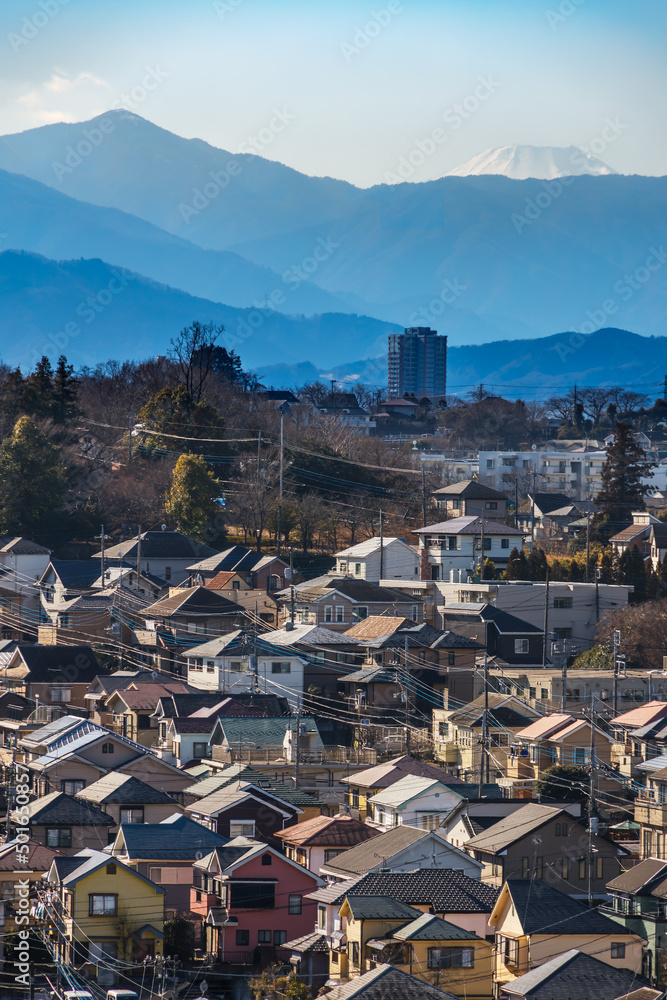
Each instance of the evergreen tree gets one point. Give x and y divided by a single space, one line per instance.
192 497
517 566
490 570
172 411
632 571
536 565
625 468
32 480
64 404
37 395
563 782
608 567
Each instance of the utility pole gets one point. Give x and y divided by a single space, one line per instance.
259 452
129 438
598 570
381 545
588 541
291 580
255 664
138 556
592 818
516 503
282 460
546 619
297 736
102 555
484 762
564 654
407 699
532 514
619 661
423 497
481 556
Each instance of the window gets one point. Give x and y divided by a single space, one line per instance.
414 614
108 748
242 828
354 957
102 905
253 895
562 829
101 951
539 868
564 868
236 666
243 937
264 937
582 869
452 542
199 749
581 755
281 668
342 565
487 543
451 958
322 917
504 543
59 837
70 786
60 694
508 949
355 798
357 569
617 949
520 646
328 613
491 505
562 602
340 613
279 937
294 903
359 613
430 822
489 463
267 859
132 814
451 658
210 666
167 573
599 867
330 855
525 868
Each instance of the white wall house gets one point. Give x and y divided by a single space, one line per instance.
373 560
414 801
577 473
230 665
457 545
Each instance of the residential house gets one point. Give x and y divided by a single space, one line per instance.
340 602
129 710
31 864
186 739
379 559
415 800
182 620
15 712
457 732
639 906
22 563
322 650
638 734
344 406
574 973
250 899
260 572
463 901
244 810
102 686
470 498
509 640
386 981
573 466
651 808
363 785
128 800
167 555
435 950
657 545
635 536
234 774
427 590
538 508
68 825
315 842
539 841
483 806
401 849
462 543
557 739
70 753
54 675
569 521
241 661
104 911
165 853
535 922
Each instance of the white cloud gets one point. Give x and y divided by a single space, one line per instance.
63 97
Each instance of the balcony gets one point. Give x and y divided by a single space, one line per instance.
448 753
521 768
277 755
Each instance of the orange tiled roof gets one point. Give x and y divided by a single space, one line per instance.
642 715
546 726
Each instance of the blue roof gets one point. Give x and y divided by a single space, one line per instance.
176 838
263 732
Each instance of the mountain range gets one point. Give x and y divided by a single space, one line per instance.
483 258
524 162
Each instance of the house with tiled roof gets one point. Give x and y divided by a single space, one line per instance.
457 732
251 899
401 849
234 774
128 800
638 904
165 554
260 572
363 785
340 602
470 498
636 535
67 824
416 800
55 675
386 983
129 709
524 844
315 842
462 543
240 809
576 974
32 859
638 734
535 922
323 651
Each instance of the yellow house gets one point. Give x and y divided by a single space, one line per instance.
101 910
457 732
364 919
534 923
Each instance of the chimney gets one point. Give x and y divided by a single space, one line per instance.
451 576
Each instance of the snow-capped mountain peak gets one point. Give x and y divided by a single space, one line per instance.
543 162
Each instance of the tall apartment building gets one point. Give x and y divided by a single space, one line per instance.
417 363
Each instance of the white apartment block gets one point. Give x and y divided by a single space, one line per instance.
576 473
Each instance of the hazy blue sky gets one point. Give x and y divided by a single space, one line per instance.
359 85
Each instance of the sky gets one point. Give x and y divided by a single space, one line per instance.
349 89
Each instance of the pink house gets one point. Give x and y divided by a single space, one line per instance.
251 899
